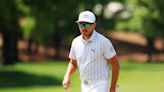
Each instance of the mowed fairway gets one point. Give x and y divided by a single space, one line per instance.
47 77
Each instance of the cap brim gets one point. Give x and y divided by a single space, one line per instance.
77 21
84 21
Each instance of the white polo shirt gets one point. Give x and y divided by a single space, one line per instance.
92 56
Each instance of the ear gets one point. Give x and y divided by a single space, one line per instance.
94 24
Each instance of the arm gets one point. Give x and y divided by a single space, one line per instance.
115 72
72 66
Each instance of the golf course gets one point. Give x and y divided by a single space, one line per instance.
47 77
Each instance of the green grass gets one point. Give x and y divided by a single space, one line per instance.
47 77
141 77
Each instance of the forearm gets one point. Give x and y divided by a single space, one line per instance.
72 66
115 74
70 70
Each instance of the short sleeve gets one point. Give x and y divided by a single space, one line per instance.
108 49
72 52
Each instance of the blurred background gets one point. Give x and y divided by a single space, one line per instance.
36 35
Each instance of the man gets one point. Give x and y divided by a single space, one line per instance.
92 53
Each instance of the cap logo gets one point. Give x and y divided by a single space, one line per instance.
86 16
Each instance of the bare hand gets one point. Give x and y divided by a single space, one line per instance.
66 83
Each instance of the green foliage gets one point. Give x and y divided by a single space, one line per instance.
145 18
51 21
56 19
9 15
27 24
50 17
23 8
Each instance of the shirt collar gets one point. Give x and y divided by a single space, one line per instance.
92 36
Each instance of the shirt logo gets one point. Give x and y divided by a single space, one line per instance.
111 49
93 50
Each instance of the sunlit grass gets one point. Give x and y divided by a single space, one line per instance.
141 77
47 77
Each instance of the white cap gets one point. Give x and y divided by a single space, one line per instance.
86 16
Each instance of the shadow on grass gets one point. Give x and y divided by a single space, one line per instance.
23 79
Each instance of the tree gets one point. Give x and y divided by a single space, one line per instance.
144 17
10 30
55 20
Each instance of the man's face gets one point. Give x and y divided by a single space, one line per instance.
86 29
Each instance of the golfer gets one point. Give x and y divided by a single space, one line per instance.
91 53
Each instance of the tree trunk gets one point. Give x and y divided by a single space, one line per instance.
57 44
150 48
29 47
9 49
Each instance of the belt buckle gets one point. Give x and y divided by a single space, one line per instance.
86 82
